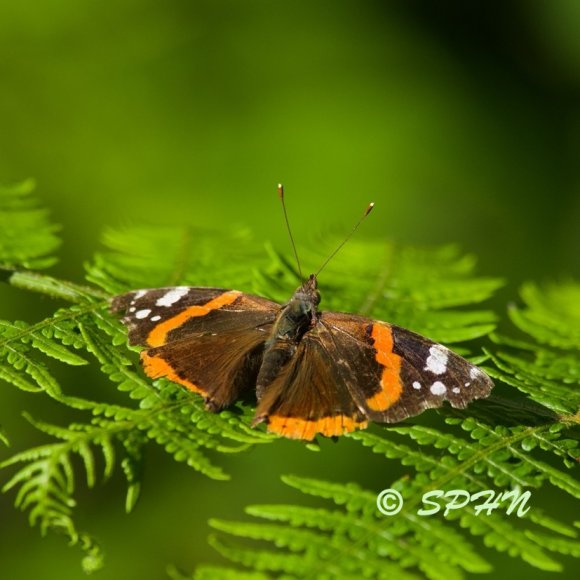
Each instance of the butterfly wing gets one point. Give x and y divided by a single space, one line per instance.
349 369
208 339
309 395
394 373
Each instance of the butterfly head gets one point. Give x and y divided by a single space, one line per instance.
308 292
299 313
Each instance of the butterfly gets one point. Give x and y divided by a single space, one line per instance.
312 372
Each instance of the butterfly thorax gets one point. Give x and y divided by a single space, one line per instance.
296 317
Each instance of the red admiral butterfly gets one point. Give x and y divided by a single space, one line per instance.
313 372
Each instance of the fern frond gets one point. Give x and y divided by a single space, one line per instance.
191 256
563 546
502 454
4 438
21 344
132 466
46 482
548 368
18 362
413 287
551 315
348 543
55 288
215 573
493 458
28 238
497 457
160 412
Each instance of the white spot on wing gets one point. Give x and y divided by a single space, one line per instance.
437 359
137 295
132 309
416 385
467 384
438 388
474 373
455 389
172 296
155 318
143 313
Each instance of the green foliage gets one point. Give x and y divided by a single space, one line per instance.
502 443
83 333
46 482
190 256
215 573
28 238
357 541
349 542
3 437
432 291
547 369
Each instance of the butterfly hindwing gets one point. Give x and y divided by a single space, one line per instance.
309 396
220 367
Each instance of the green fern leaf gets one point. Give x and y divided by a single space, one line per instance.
349 543
132 465
190 257
4 438
560 545
46 484
547 369
336 539
552 315
28 237
17 343
216 573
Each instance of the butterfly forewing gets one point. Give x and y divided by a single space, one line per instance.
404 373
210 340
436 372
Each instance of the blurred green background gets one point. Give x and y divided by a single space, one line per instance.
460 120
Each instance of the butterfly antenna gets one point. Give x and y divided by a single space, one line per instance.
281 196
360 221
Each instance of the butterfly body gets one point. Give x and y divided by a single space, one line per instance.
295 319
312 372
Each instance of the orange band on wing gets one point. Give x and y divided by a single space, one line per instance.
155 367
391 387
296 428
158 336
